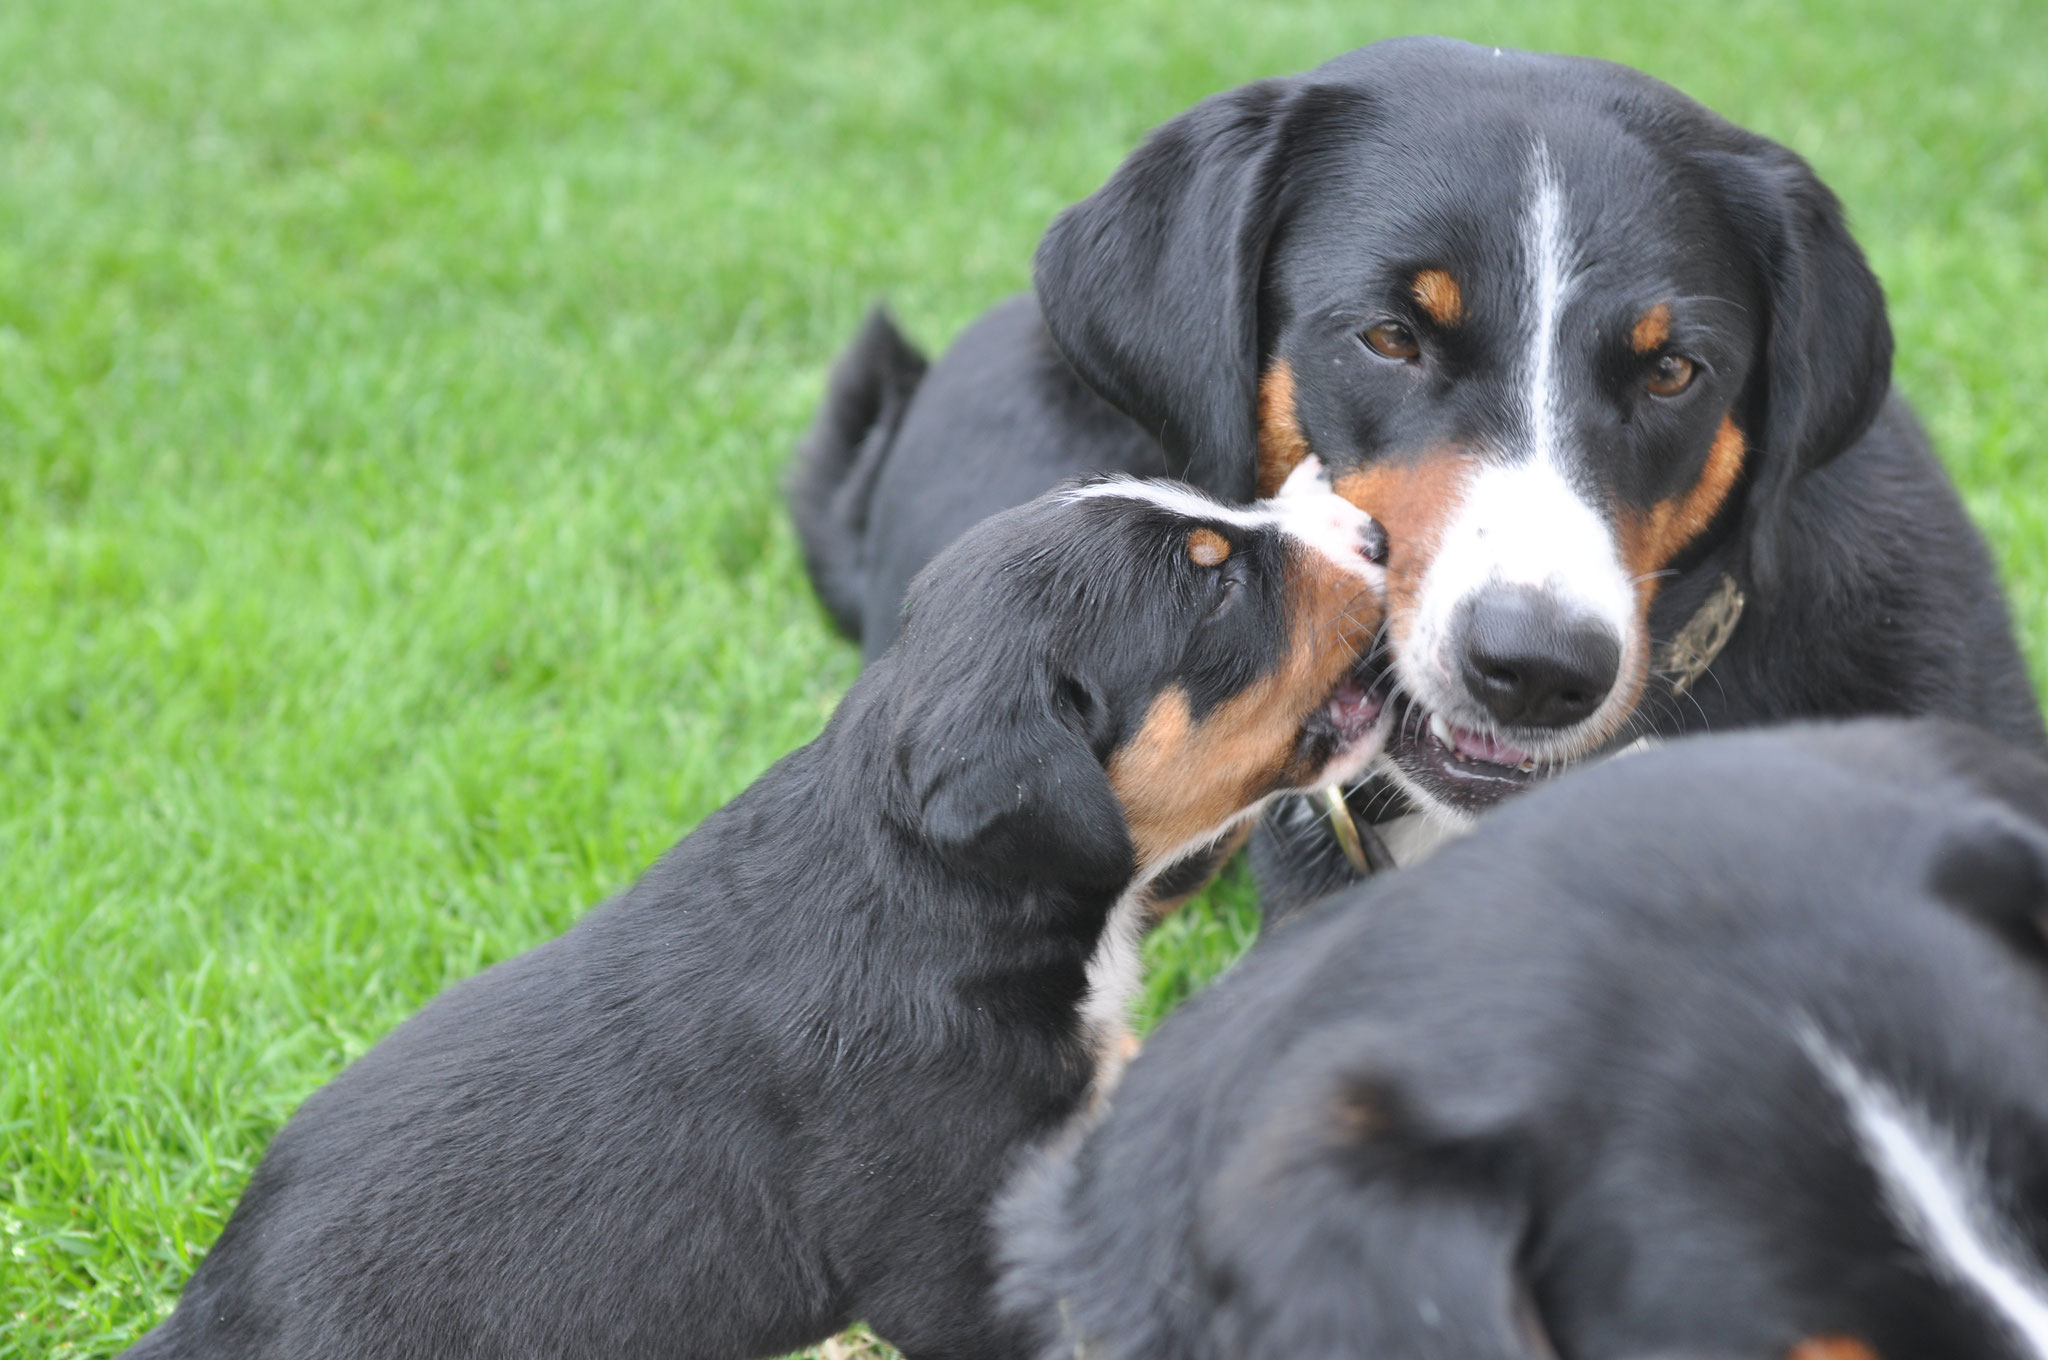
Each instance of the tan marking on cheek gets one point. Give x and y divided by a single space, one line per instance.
1650 539
1438 294
1207 548
1412 501
1146 761
1178 779
1652 329
1281 442
1831 1348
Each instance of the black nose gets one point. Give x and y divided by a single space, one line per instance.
1531 663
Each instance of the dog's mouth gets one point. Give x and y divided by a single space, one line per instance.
1467 770
1349 729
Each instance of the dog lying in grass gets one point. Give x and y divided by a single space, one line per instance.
1736 1050
772 1087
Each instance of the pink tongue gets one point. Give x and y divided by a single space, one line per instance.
1480 747
1352 707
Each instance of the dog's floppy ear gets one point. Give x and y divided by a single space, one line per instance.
1993 867
1001 777
1150 285
1353 1230
1825 365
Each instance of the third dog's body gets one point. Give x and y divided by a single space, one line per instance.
1736 1050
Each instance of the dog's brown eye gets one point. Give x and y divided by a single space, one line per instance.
1392 340
1670 375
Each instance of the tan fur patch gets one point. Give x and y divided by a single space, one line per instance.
1831 1348
1207 548
1360 1113
1412 501
1439 295
1178 779
1652 329
1651 539
1281 442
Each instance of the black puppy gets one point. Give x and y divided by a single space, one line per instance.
1732 1051
772 1088
1610 370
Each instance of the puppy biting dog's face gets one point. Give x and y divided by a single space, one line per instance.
1112 676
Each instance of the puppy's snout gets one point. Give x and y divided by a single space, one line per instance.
1529 661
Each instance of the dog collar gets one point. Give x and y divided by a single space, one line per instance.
1684 659
1361 845
1694 647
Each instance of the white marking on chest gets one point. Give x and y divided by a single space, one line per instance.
1115 970
1934 1191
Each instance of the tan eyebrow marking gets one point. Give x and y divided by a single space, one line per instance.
1653 328
1438 294
1208 548
1831 1348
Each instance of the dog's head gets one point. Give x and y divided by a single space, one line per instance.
1096 683
1561 330
1772 1086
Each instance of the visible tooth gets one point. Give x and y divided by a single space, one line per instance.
1527 767
1440 729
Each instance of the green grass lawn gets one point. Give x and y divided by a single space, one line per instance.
392 398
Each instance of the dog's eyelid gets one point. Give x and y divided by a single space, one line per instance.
1227 580
1392 339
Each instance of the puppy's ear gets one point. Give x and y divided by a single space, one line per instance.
1352 1229
1994 868
1151 284
1001 778
1826 361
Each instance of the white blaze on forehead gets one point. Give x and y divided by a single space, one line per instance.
1305 509
1936 1194
1547 249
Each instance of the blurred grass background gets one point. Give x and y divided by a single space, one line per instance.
392 397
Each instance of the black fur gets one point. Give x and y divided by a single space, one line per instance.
771 1088
1261 224
1554 1092
831 483
1010 420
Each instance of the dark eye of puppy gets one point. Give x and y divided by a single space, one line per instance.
1230 583
1391 340
1670 374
